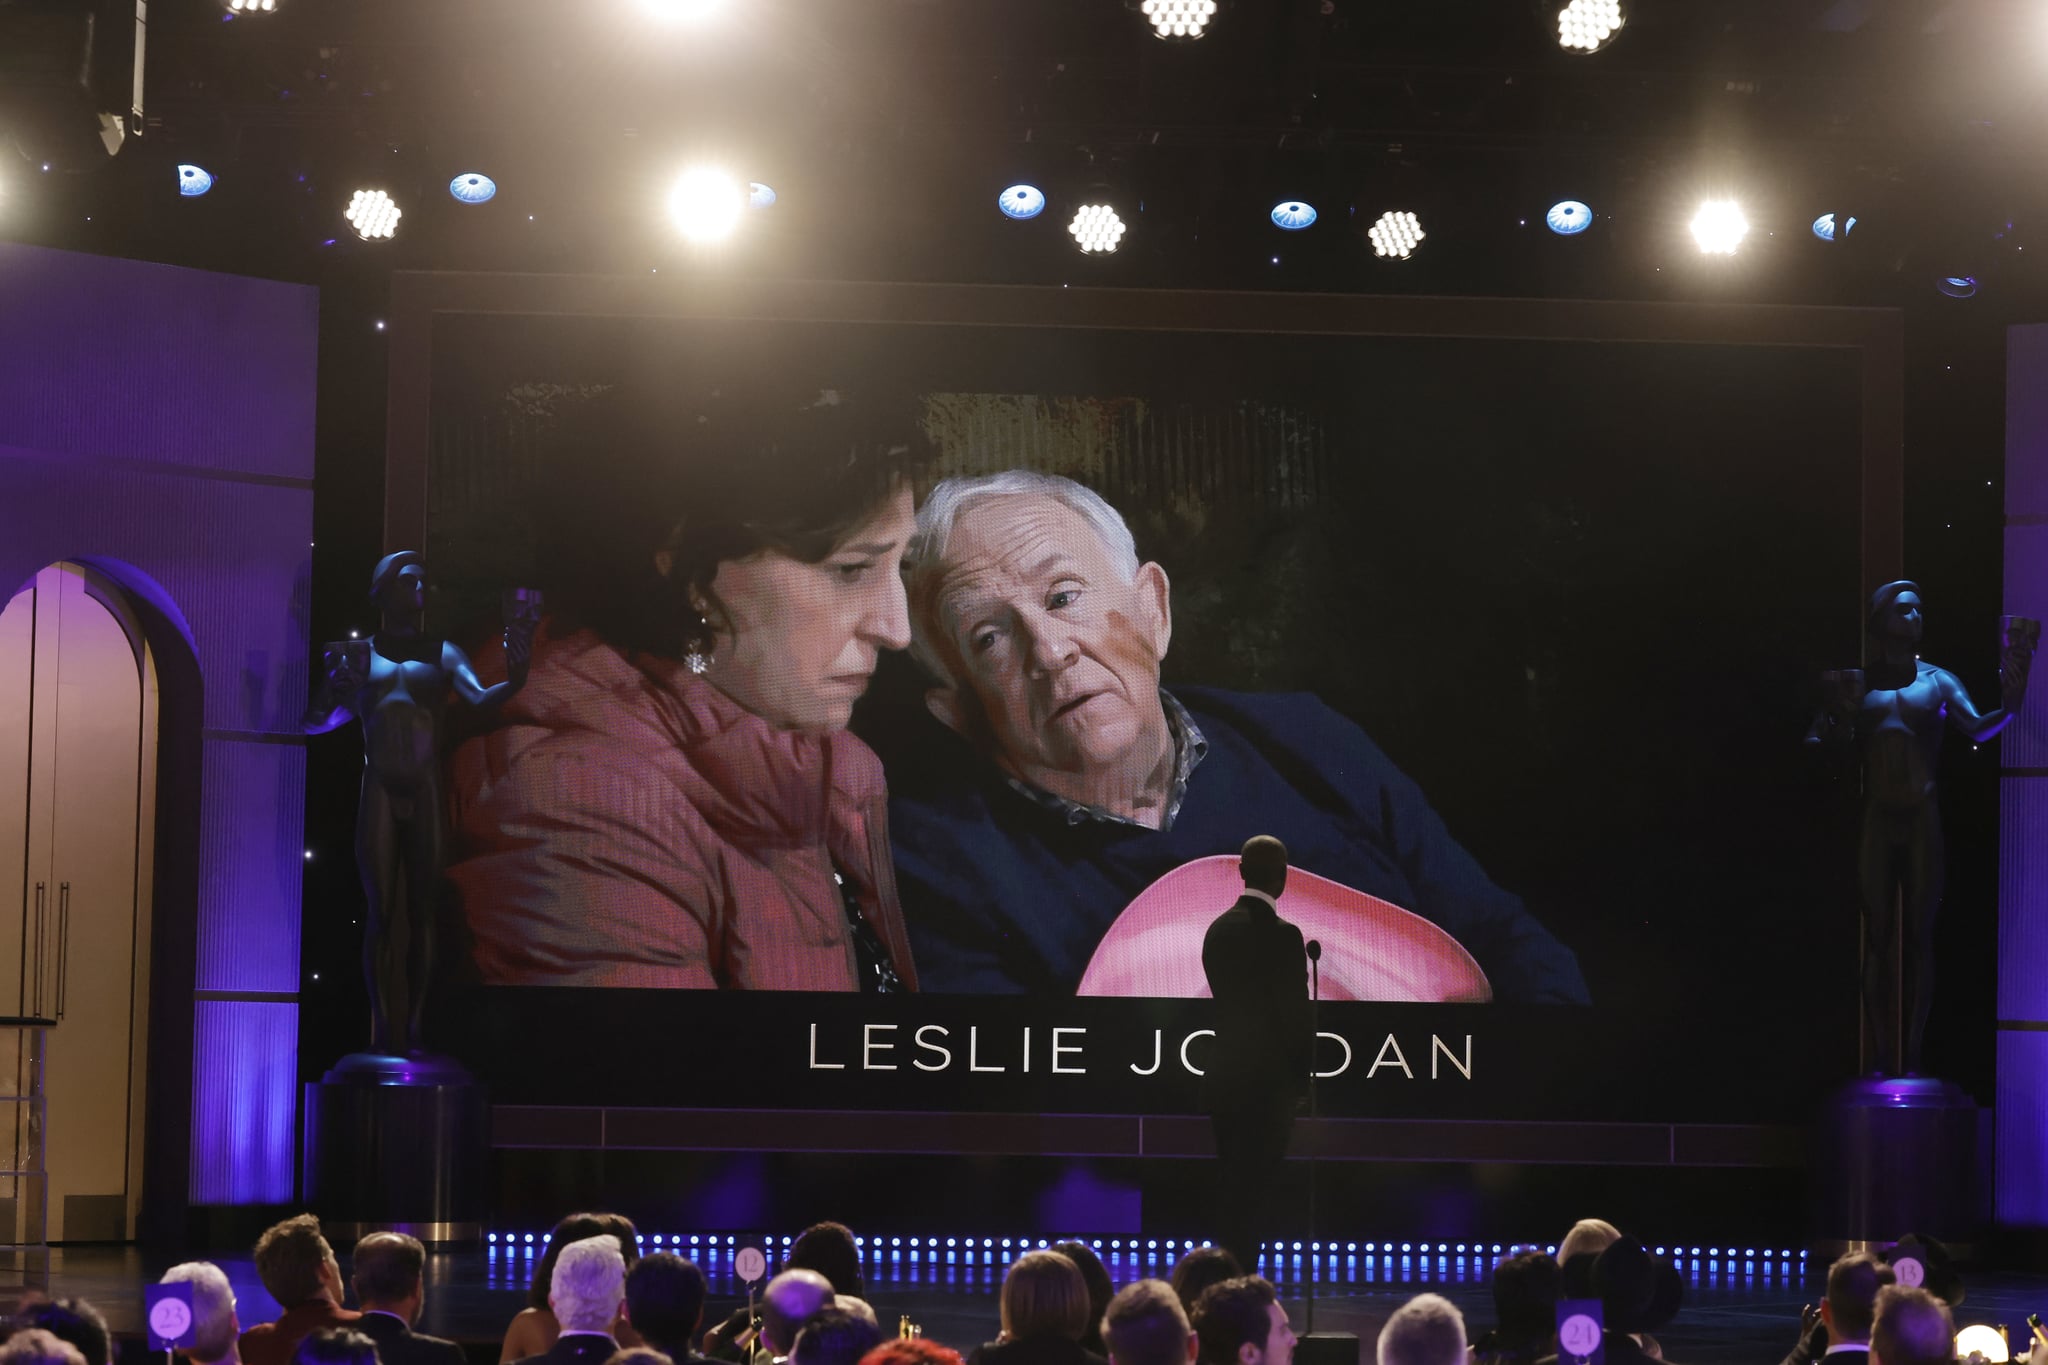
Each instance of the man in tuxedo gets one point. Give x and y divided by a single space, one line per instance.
214 1329
788 1304
665 1304
298 1268
388 1271
1841 1333
1265 1043
587 1293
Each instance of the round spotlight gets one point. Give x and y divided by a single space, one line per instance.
1395 235
1568 218
759 196
1021 202
193 181
1097 228
372 214
1292 215
473 187
705 204
1982 1343
1588 25
1719 227
1178 18
1828 229
251 6
1958 286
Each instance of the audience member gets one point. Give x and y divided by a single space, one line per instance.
1526 1289
388 1271
72 1320
789 1302
37 1347
1044 1310
1146 1325
860 1306
535 1328
1638 1293
335 1346
640 1355
214 1326
586 1295
837 1334
1426 1330
1100 1291
1199 1269
1588 1237
1240 1321
298 1268
829 1249
1909 1327
911 1351
665 1304
1842 1330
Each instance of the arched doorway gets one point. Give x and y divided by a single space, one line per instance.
79 706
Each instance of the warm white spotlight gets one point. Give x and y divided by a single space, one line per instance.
1588 25
1096 228
251 6
1984 1344
1719 227
706 204
1178 18
372 214
1395 235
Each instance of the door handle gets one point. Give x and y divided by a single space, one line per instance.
63 941
32 962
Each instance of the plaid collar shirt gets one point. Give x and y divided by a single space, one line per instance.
1189 747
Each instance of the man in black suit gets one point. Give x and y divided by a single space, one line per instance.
665 1304
587 1294
788 1304
388 1271
1841 1331
1265 1042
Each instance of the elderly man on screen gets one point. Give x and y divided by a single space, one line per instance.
1089 839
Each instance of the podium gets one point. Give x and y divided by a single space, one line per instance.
399 1144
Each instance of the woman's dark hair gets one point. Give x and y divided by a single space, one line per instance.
829 1249
632 474
1198 1270
336 1346
1100 1290
1526 1289
575 1228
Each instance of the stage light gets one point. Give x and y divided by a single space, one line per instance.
1097 228
1588 25
1394 237
683 11
1827 229
1568 218
760 196
1719 227
1021 202
473 187
705 204
193 181
251 6
1957 286
372 214
1292 215
1983 1343
1178 18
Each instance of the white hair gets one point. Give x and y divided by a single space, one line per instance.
1426 1330
954 498
589 1281
213 1309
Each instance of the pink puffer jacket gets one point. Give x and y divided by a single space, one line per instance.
628 824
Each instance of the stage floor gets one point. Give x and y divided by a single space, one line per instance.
1736 1312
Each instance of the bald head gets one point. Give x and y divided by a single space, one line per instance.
791 1299
1263 861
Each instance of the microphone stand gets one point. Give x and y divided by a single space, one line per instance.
1315 1000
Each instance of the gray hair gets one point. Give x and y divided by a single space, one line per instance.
954 498
213 1309
1426 1330
589 1282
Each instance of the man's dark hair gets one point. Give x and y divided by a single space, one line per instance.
386 1267
665 1301
578 1227
1263 863
835 1336
1526 1289
1232 1313
289 1256
1100 1290
1199 1269
1853 1285
72 1320
1911 1327
829 1249
1146 1325
336 1346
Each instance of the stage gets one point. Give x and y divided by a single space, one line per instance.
1737 1311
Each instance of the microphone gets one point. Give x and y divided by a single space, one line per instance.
1315 950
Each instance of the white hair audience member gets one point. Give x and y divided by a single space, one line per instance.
1426 1330
1588 1237
215 1328
589 1285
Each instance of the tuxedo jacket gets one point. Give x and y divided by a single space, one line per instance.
1258 972
398 1344
580 1348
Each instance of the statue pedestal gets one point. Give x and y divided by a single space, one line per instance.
399 1144
1897 1156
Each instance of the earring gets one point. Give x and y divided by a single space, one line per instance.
697 662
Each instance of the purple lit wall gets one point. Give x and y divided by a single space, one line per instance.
2022 1099
159 423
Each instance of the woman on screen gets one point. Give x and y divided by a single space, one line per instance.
674 800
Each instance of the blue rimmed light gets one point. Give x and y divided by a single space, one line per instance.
1568 218
1292 215
473 187
1957 286
1828 228
193 181
760 196
1021 202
